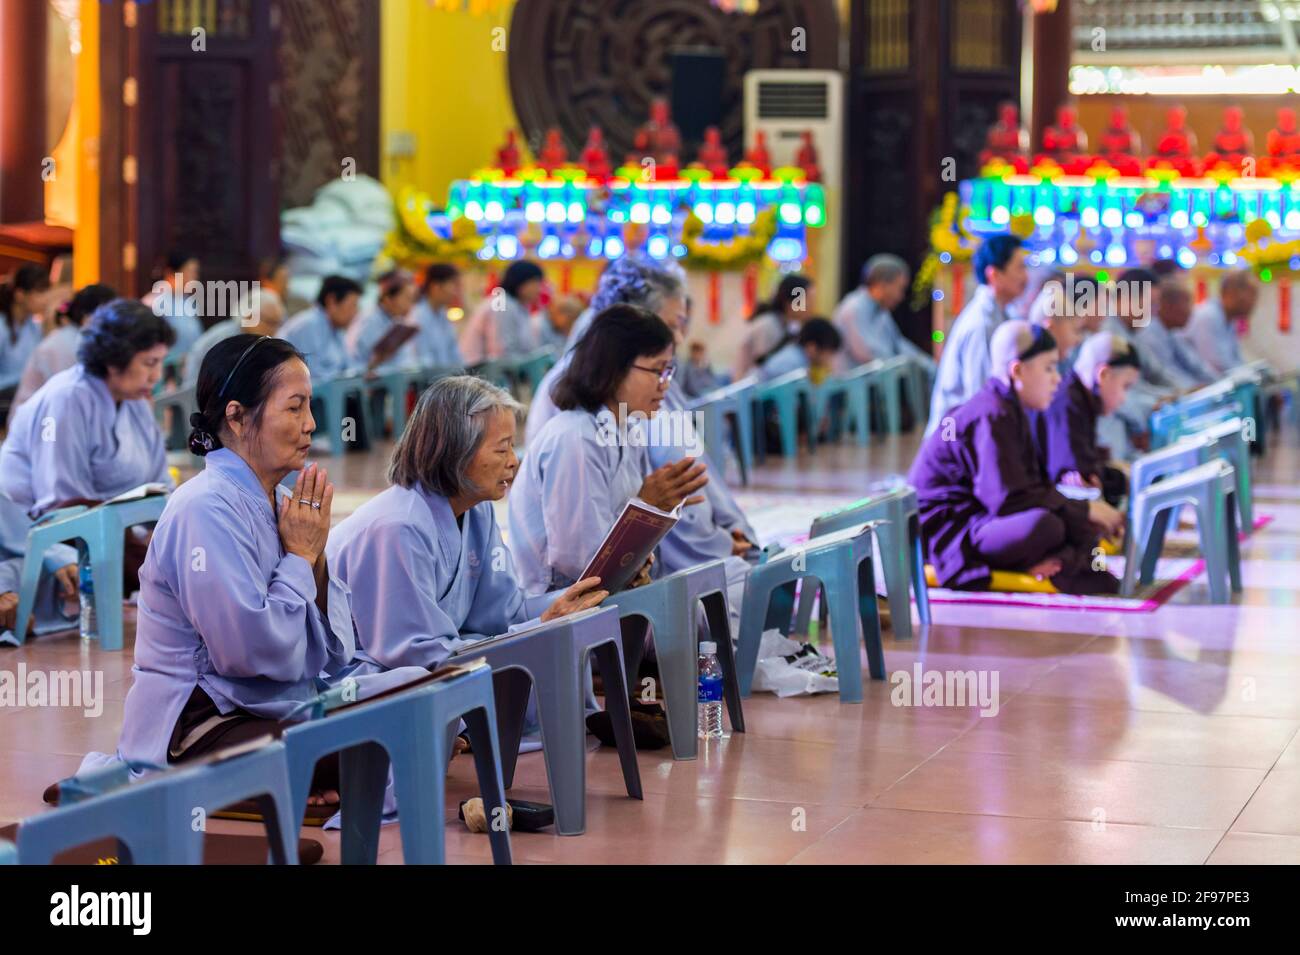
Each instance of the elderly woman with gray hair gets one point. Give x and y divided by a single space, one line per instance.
428 570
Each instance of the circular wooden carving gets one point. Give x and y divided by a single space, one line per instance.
574 63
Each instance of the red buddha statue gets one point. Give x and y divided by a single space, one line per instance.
1283 141
554 153
1233 142
806 159
1177 144
594 158
659 136
1006 140
1066 143
1120 145
713 154
758 156
508 155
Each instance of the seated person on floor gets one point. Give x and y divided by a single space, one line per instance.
716 528
865 317
501 326
1213 328
397 294
773 323
985 503
261 313
999 265
89 433
320 332
424 560
24 299
56 594
436 345
1163 342
1134 302
698 377
813 349
1106 368
58 349
241 618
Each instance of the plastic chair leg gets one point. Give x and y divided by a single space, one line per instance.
1234 548
844 621
480 727
677 652
1155 543
870 615
919 586
564 735
895 565
753 612
715 613
106 571
422 833
363 776
620 716
510 687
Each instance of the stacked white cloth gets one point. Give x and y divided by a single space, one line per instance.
340 233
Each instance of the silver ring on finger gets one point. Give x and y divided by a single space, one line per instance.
304 500
316 505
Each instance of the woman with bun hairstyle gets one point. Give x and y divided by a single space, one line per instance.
240 619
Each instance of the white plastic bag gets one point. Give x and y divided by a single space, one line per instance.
788 668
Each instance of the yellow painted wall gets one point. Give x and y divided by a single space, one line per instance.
85 237
442 82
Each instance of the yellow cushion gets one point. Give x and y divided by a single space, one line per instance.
1005 581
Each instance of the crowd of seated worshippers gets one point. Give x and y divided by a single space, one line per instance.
1015 471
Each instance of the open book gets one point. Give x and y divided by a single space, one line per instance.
629 543
396 336
136 493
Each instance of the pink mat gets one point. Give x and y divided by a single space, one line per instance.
1156 598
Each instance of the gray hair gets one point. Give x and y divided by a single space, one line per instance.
638 280
444 433
883 268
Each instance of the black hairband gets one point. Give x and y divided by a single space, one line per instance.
1128 358
256 341
1043 342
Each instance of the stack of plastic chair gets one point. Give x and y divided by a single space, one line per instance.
551 660
102 529
852 389
1210 489
154 817
712 411
785 393
842 564
667 610
413 729
899 546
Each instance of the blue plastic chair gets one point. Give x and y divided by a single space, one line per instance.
331 395
892 375
736 402
180 404
1208 488
1228 439
842 564
901 550
102 529
666 609
551 660
160 818
784 393
8 853
413 730
853 390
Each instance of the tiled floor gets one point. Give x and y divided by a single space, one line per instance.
1167 737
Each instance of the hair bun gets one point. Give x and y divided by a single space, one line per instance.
196 419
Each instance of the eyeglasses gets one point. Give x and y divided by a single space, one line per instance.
665 374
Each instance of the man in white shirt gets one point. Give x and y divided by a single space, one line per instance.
1212 329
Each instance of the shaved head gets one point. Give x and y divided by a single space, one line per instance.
1011 340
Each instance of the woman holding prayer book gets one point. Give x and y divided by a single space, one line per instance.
89 434
241 617
425 562
588 461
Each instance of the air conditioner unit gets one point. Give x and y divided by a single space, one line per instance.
783 105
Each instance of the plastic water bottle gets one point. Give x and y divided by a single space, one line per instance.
86 595
710 692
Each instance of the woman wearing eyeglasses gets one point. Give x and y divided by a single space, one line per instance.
591 458
240 616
